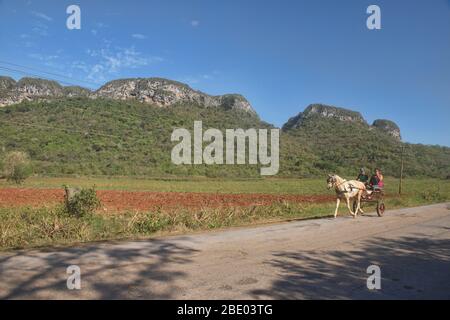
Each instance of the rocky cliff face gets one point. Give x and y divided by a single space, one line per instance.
166 93
76 91
7 83
389 127
341 114
325 111
156 91
12 92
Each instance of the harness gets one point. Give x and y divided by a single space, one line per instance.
345 189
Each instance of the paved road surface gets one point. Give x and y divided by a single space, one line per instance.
303 259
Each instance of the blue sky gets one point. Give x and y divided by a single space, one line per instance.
281 55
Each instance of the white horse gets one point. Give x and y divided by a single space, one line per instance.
348 190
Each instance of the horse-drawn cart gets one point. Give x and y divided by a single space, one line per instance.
375 196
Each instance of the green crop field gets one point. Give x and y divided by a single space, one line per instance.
235 186
25 227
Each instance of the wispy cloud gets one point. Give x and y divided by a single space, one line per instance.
111 60
195 23
193 80
139 36
42 57
25 40
40 26
51 61
40 29
97 27
41 15
99 65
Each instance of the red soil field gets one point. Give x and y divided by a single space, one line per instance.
113 201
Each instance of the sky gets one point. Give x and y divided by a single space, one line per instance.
281 55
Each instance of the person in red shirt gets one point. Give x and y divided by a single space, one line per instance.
377 180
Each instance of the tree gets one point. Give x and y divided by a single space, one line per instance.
17 166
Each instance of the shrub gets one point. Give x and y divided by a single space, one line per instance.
148 223
433 195
17 167
81 202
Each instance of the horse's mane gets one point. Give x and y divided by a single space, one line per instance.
340 178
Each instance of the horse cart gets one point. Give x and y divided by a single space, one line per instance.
376 197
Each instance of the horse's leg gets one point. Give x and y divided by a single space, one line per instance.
362 193
358 208
349 208
338 201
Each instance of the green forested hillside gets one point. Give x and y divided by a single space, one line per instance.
107 137
344 147
82 136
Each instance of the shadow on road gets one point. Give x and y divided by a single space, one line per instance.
411 268
146 262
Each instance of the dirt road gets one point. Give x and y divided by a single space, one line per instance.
303 259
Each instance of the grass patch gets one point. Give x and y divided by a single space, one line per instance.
27 227
261 185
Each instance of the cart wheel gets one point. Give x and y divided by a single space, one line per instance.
380 209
